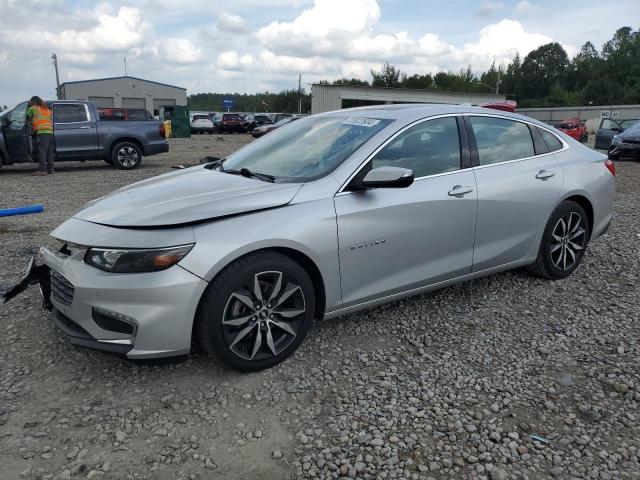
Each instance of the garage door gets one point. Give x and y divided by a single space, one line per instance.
102 102
128 102
163 102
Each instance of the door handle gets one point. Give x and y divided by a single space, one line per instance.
460 190
544 174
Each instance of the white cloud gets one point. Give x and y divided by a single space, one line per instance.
179 51
524 7
230 60
228 22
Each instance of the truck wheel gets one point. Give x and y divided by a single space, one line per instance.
126 156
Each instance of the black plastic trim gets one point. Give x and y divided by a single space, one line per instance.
473 145
465 153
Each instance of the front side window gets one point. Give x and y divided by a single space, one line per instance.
428 148
501 140
69 113
551 140
19 114
608 124
306 149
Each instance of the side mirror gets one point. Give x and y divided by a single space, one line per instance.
386 177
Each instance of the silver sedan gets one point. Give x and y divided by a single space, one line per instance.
329 215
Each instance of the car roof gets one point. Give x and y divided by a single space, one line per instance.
415 111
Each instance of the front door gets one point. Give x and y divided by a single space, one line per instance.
75 132
517 190
16 132
393 240
605 133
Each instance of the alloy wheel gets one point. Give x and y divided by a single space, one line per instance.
127 156
263 317
567 240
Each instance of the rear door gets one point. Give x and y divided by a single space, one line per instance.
16 132
76 134
605 132
517 188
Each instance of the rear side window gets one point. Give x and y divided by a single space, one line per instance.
69 113
551 140
501 140
428 148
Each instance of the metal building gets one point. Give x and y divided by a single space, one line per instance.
125 92
325 98
554 115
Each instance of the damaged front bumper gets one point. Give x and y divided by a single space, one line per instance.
147 315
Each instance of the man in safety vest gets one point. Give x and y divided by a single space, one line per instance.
42 119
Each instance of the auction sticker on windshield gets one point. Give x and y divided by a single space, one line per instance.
361 121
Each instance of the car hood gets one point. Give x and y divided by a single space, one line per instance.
187 196
631 133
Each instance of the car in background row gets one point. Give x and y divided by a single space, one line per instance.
264 129
574 128
109 113
202 124
626 143
230 122
608 128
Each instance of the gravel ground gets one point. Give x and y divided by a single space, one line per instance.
503 377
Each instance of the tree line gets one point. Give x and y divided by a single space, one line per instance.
546 77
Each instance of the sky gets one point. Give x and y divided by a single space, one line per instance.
250 46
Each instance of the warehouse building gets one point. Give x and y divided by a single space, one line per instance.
325 98
125 92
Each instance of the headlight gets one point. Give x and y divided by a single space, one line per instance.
615 139
120 260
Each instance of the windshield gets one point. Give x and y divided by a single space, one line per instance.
628 123
307 149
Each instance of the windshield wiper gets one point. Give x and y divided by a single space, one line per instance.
245 172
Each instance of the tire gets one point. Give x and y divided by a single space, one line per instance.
563 245
126 156
245 345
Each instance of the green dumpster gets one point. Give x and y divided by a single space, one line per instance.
179 117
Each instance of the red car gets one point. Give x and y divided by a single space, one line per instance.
231 122
574 128
504 105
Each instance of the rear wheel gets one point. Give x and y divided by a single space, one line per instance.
256 312
126 156
563 243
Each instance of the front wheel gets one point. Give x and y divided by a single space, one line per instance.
126 156
256 312
563 244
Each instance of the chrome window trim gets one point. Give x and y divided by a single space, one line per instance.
565 146
86 109
389 140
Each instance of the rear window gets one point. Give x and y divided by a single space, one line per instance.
551 140
231 116
201 117
69 113
501 140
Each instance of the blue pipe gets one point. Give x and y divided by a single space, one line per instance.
22 210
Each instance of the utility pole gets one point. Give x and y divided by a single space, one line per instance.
498 83
54 57
299 94
125 67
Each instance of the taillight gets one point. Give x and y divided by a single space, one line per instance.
162 132
611 166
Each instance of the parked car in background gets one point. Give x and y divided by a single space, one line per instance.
264 129
80 134
333 214
574 128
109 113
503 105
260 119
202 124
281 116
608 128
626 143
230 122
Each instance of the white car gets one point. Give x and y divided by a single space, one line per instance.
201 124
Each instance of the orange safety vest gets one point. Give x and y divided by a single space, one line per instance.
42 119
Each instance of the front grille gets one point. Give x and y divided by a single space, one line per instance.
61 288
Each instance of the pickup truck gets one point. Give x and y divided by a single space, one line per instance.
80 134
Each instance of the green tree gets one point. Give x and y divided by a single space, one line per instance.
387 76
543 68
